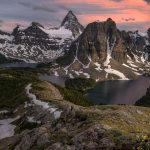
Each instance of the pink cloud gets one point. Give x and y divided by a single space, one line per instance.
139 10
9 25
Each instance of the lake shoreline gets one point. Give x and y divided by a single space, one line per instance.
109 88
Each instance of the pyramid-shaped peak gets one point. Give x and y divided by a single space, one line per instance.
71 22
36 24
15 30
70 17
70 12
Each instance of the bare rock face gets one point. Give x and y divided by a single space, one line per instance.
148 32
97 39
71 22
102 38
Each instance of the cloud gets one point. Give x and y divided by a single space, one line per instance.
40 6
1 21
78 8
148 1
117 0
133 26
128 19
53 11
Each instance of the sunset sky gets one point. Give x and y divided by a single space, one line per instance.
128 14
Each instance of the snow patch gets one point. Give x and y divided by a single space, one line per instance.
53 110
6 128
58 32
32 120
56 74
98 66
109 51
4 111
116 72
71 76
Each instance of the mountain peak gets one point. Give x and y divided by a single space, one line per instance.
15 30
148 32
109 19
70 15
71 22
36 24
70 12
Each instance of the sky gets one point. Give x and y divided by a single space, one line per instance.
128 14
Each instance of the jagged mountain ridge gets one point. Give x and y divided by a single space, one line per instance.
102 51
39 44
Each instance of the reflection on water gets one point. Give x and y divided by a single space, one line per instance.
119 92
131 92
110 92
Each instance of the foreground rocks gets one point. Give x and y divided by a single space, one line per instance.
78 128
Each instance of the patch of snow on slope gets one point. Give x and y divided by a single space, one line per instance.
98 66
109 51
6 37
56 73
116 72
109 70
133 65
86 75
13 51
60 32
76 59
6 128
142 58
42 104
146 56
4 111
136 58
107 62
71 76
32 120
129 67
80 72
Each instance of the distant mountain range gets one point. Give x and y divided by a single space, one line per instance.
100 51
40 44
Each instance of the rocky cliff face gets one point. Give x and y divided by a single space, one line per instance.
104 49
39 127
71 22
98 40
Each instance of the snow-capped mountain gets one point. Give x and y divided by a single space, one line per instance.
104 52
37 43
101 52
140 45
71 22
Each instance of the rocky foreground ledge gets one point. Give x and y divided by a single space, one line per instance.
48 122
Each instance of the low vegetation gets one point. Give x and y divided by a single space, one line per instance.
12 87
80 84
74 96
75 90
144 101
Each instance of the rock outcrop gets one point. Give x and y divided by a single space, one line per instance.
97 39
104 50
